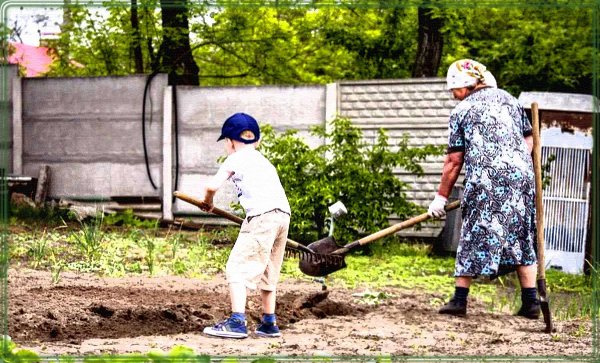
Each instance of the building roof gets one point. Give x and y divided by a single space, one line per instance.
35 60
556 101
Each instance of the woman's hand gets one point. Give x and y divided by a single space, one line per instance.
436 207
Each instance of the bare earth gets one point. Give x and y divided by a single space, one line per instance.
85 315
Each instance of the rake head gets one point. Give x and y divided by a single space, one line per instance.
321 264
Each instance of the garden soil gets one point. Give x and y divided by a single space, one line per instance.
88 315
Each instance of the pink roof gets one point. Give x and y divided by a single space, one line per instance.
36 60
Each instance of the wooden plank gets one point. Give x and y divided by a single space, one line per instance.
42 185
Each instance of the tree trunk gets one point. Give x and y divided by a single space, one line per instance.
65 30
136 41
175 53
429 51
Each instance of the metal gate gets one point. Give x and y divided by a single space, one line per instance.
566 207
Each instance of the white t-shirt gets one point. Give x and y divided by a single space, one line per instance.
256 181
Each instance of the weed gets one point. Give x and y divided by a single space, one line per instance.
174 241
226 235
89 239
372 297
178 267
566 306
580 332
149 245
56 267
37 249
393 246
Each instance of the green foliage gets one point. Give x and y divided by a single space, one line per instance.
129 219
177 354
546 175
525 48
148 243
291 45
392 262
528 47
563 282
50 215
93 44
11 354
56 267
357 171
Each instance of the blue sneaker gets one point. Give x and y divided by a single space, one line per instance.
268 330
228 328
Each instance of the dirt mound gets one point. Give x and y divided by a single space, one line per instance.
77 313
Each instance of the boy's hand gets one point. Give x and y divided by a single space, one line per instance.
208 207
207 202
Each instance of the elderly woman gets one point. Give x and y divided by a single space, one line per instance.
490 135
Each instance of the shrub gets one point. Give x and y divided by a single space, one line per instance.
349 168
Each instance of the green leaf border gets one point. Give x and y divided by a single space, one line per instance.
5 138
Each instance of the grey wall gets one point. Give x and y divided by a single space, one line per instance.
89 130
203 110
8 75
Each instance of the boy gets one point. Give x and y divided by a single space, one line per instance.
256 258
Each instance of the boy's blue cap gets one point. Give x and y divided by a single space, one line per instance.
238 123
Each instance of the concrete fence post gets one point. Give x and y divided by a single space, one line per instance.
167 151
17 126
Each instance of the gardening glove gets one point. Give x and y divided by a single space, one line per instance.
436 208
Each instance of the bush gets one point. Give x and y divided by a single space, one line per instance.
347 168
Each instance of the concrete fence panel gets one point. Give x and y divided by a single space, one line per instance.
89 131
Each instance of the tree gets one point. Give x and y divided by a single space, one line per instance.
175 53
136 39
430 43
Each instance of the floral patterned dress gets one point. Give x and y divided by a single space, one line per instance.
498 206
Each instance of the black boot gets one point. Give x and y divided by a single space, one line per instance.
530 310
530 305
454 307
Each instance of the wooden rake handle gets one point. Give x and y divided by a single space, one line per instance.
232 217
539 205
393 229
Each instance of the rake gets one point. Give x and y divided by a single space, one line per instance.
294 249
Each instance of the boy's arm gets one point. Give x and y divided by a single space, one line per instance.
213 185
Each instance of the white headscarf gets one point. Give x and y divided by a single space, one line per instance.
467 72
